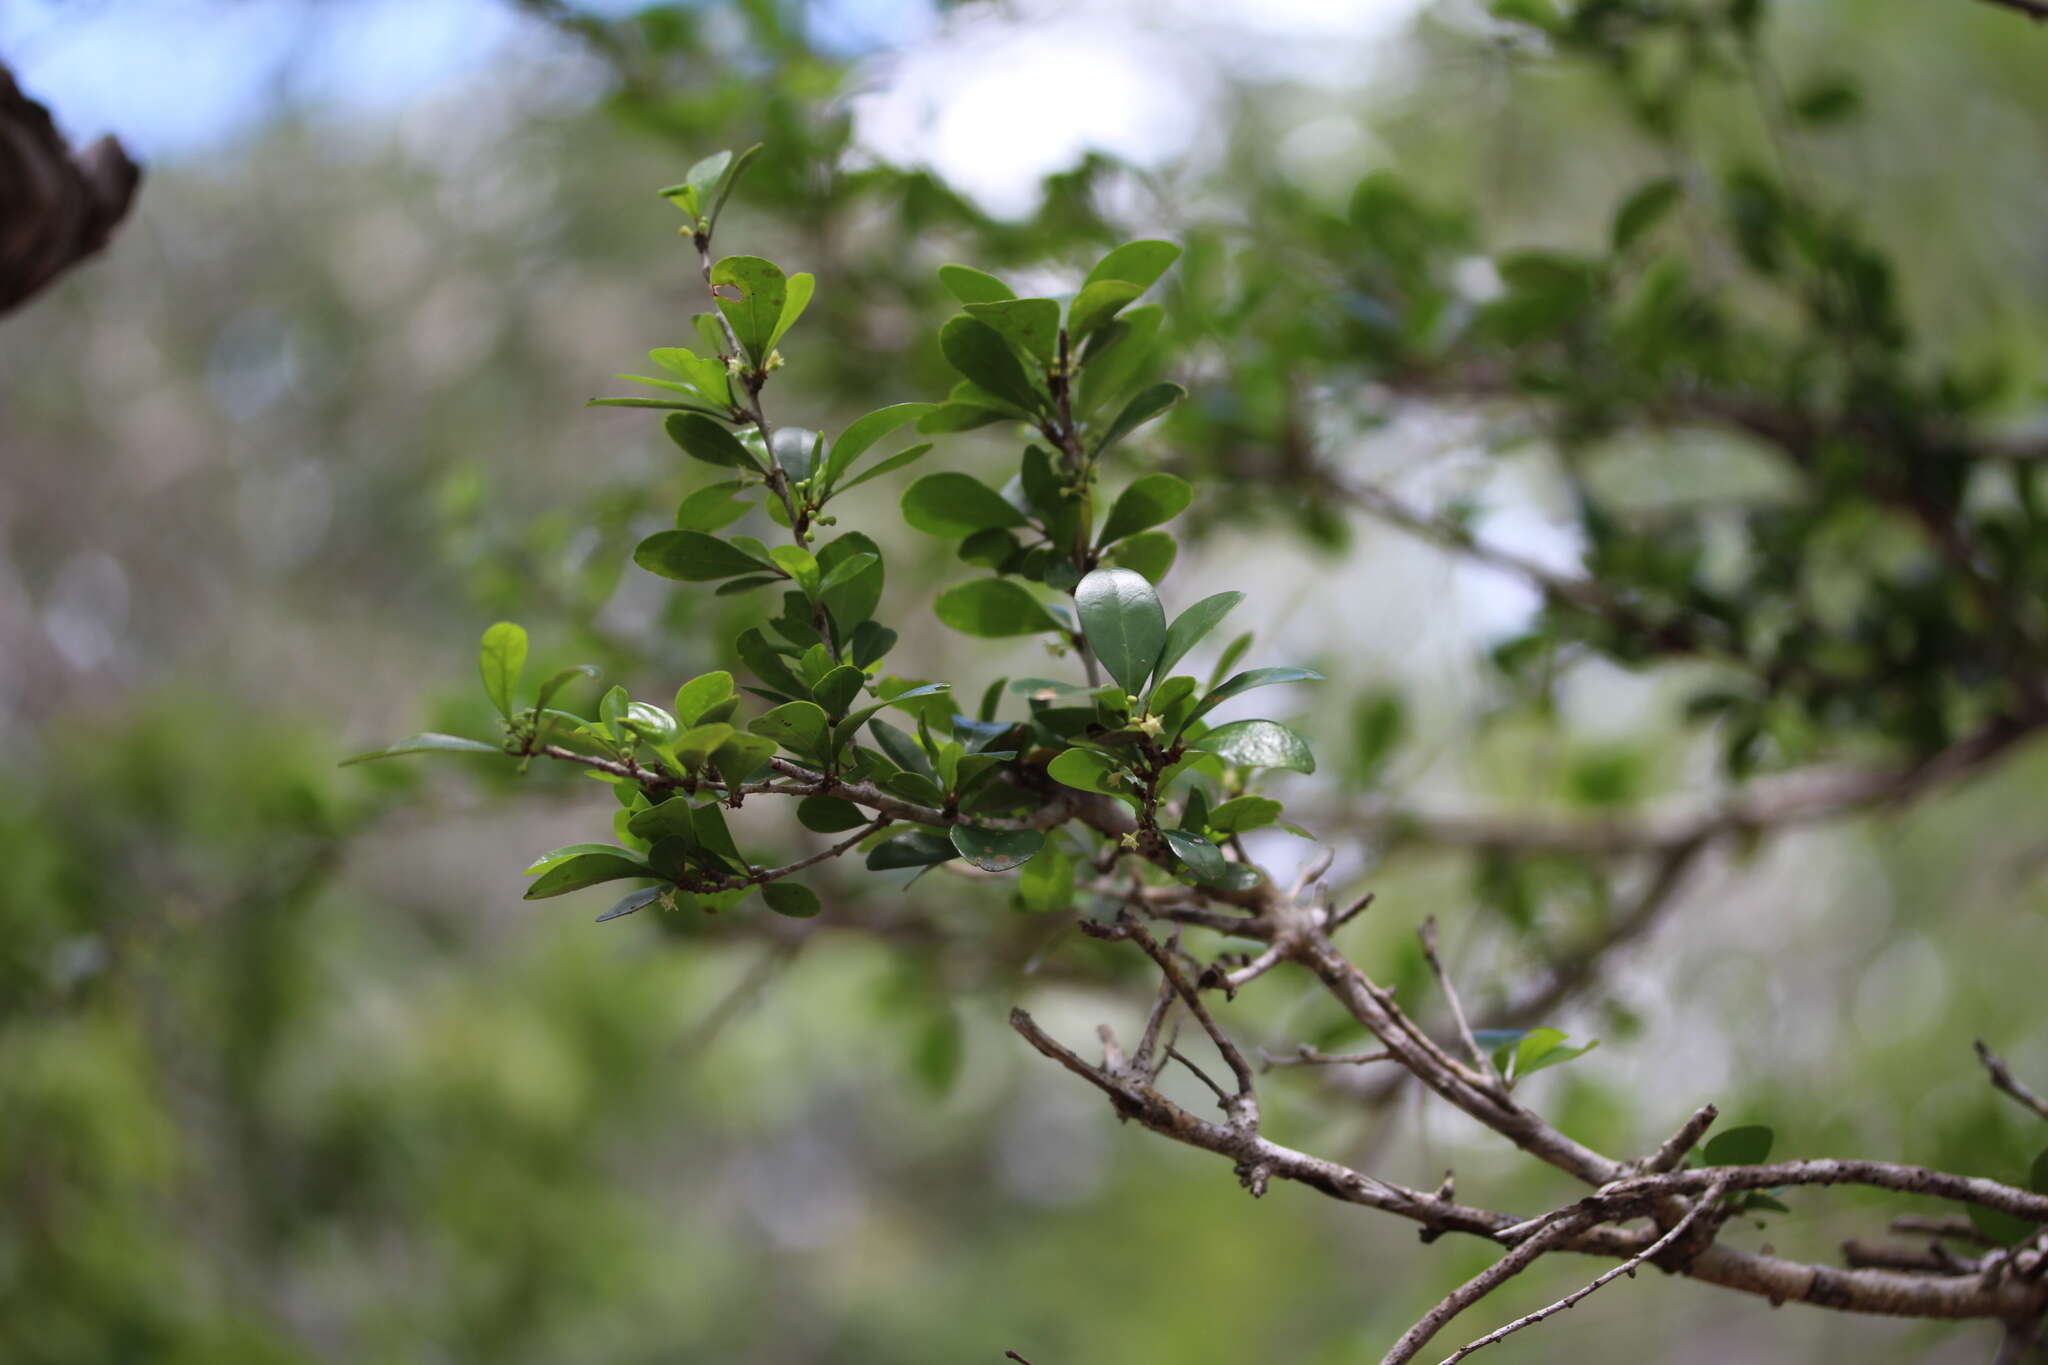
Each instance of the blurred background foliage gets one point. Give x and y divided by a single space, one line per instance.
288 1072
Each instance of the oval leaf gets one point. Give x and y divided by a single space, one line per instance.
992 608
997 850
1123 623
953 505
1258 744
787 898
1146 503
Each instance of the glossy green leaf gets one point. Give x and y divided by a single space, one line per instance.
700 694
799 564
1153 499
953 505
752 293
1258 744
839 689
788 898
693 557
502 660
707 439
1191 626
428 743
852 586
712 508
1139 263
741 757
1031 325
1123 623
829 814
1140 410
1204 860
992 608
997 850
911 850
1242 814
979 352
1149 554
587 869
862 433
798 725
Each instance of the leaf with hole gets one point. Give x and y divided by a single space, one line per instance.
752 294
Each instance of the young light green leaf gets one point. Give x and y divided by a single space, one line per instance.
894 462
700 694
799 564
1258 744
733 171
798 298
560 679
429 743
1085 770
1123 623
952 505
1189 628
501 660
752 293
741 757
788 898
969 285
992 608
997 850
1150 500
1096 304
712 508
1139 263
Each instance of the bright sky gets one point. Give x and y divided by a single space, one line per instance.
993 97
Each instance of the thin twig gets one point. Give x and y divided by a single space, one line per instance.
1480 1061
1484 1283
1667 1157
1628 1267
2002 1077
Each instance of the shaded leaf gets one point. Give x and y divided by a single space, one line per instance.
992 608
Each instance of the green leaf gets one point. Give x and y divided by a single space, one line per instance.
1139 263
1244 813
712 508
1153 499
979 352
1031 325
633 900
1123 623
1096 304
838 689
704 438
863 432
693 557
957 416
563 854
693 747
751 293
992 608
1136 413
799 726
1541 1048
707 825
741 756
852 587
502 660
910 850
668 405
700 694
799 564
953 505
1258 744
705 373
1149 554
1047 881
1251 678
559 680
587 869
969 285
733 171
429 743
1749 1145
788 898
1204 860
1643 210
2037 1174
997 850
1191 626
793 305
829 814
1376 730
1085 770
